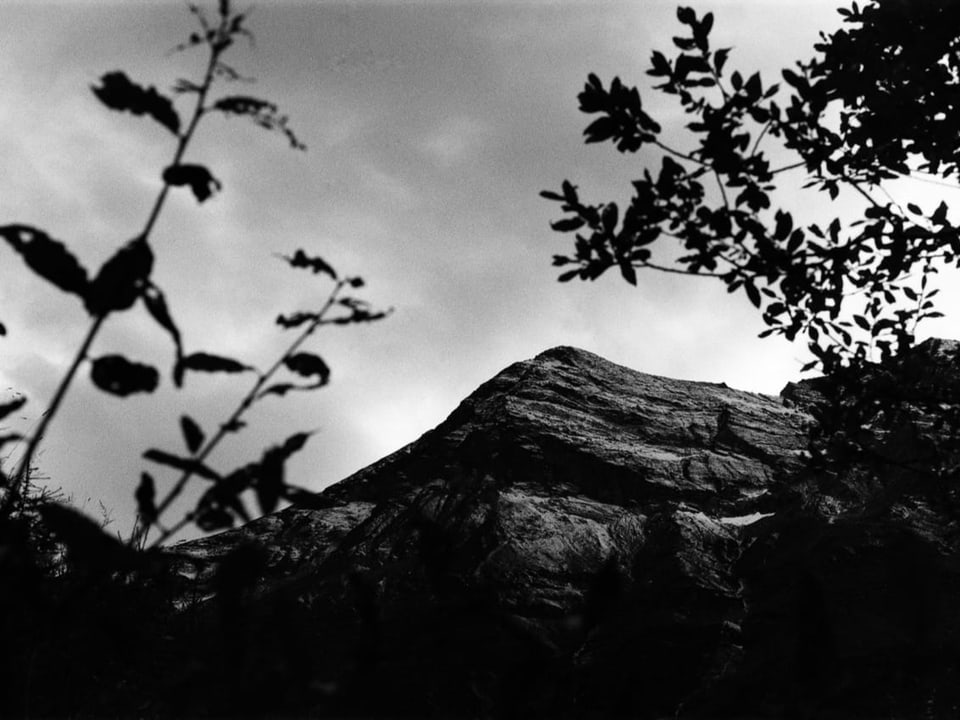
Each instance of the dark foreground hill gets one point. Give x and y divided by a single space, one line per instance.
579 539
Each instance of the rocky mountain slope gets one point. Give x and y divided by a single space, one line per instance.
579 539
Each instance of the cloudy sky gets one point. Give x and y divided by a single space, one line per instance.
431 127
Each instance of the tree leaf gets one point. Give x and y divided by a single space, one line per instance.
156 305
280 389
263 114
47 257
603 128
117 92
192 434
197 177
187 465
269 482
568 224
551 195
296 319
121 279
308 365
210 519
205 362
317 264
118 376
12 406
145 496
720 59
609 216
295 443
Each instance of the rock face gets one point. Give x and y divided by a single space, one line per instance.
579 539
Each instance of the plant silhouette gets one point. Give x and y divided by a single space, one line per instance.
124 281
871 107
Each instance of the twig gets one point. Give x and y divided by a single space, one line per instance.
235 417
81 354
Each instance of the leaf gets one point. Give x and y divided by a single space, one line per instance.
47 257
308 365
269 484
628 272
608 217
601 129
121 279
210 519
792 78
12 406
201 182
243 105
301 260
156 305
3 329
117 92
720 59
280 389
752 293
118 376
939 216
187 465
233 426
262 113
205 362
192 434
568 224
146 496
296 319
784 225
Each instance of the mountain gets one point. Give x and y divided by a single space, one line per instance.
578 539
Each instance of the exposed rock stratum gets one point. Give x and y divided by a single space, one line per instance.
578 539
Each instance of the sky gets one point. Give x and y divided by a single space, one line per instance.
431 129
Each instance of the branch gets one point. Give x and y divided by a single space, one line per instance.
19 477
679 154
232 421
676 271
785 168
756 144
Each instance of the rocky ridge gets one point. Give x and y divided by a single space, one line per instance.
581 539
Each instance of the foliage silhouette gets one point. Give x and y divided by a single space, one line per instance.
125 278
874 105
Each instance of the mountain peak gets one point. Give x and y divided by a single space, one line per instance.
578 538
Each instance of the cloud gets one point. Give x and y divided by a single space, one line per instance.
455 141
387 186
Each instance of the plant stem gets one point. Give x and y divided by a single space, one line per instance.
19 476
234 418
